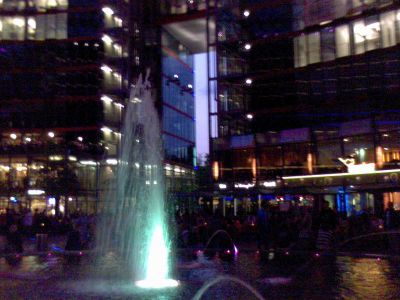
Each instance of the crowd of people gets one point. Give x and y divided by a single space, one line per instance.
19 225
299 228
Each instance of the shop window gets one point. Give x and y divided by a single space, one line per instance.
393 198
361 33
342 39
328 154
360 148
12 28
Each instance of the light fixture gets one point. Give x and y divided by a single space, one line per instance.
106 99
32 23
28 139
246 13
13 136
107 11
76 43
19 22
106 39
106 129
80 138
119 105
106 68
249 116
35 192
112 161
222 186
249 81
176 76
51 134
247 46
88 162
190 86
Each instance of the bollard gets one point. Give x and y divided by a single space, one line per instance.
41 241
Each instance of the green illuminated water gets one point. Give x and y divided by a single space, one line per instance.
134 219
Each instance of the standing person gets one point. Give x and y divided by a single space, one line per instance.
28 222
14 239
328 222
390 217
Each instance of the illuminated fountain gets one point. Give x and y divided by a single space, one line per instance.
134 218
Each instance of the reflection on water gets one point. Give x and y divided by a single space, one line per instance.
340 278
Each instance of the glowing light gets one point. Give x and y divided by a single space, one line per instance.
107 11
80 138
235 250
72 158
247 46
35 192
19 22
176 76
52 201
119 105
32 23
106 39
51 134
249 81
28 139
190 86
244 185
269 183
215 170
222 186
246 13
254 167
112 161
157 263
341 174
106 129
106 68
249 116
88 162
13 136
106 99
55 157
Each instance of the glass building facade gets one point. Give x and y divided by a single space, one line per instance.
178 111
301 89
66 69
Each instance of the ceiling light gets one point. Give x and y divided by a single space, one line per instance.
107 11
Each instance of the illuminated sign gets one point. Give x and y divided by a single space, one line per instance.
269 184
244 185
359 168
222 186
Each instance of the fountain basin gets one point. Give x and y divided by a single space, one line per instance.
157 283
